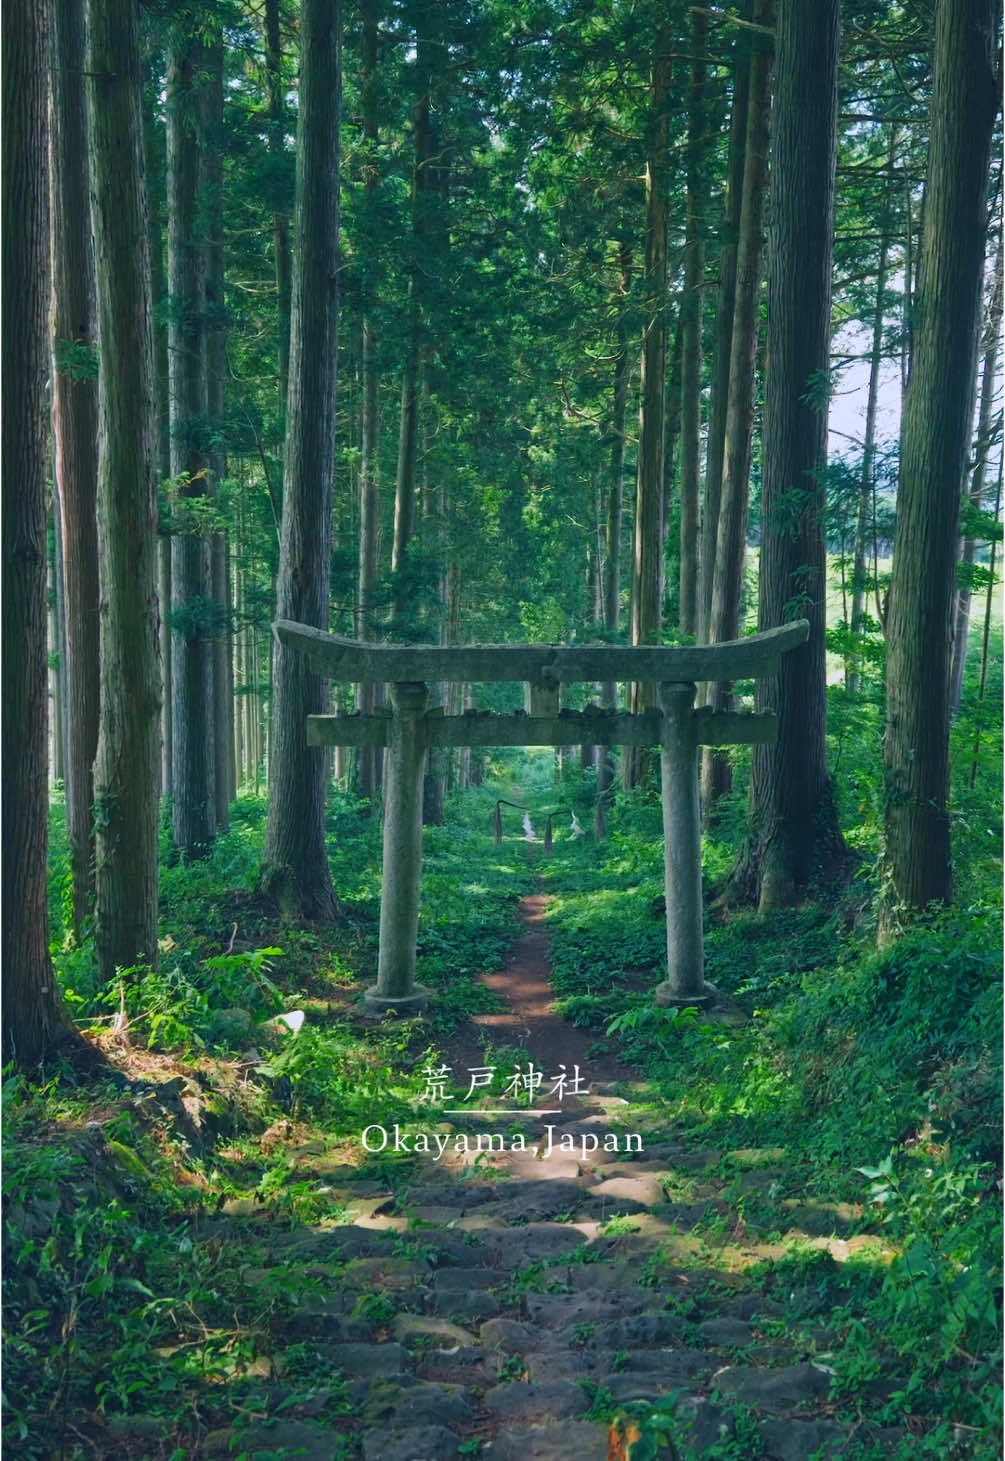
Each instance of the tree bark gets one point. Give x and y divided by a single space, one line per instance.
856 622
982 447
731 530
31 1013
938 415
691 336
729 235
193 741
794 817
127 766
296 861
75 436
222 703
649 504
280 221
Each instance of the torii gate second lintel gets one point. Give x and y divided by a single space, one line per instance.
410 726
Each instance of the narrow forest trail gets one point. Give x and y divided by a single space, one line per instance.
541 1271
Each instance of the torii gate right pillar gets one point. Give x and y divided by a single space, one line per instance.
685 982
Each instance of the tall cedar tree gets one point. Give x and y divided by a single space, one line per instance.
647 578
75 435
938 415
794 817
192 736
740 397
31 1016
296 862
127 768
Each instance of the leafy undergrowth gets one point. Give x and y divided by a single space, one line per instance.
141 1210
874 1079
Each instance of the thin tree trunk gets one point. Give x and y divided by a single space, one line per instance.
961 617
280 221
57 650
216 399
193 741
649 503
988 601
611 587
370 759
127 767
938 420
794 818
853 674
296 860
729 235
75 435
691 337
731 544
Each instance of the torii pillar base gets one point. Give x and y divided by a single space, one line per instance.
667 997
406 1006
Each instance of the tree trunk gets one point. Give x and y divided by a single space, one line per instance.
729 235
611 586
280 221
856 623
75 436
369 762
57 649
31 1013
691 322
938 415
982 447
731 532
296 861
193 743
222 704
794 817
127 767
162 433
649 504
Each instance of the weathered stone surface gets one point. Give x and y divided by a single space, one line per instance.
799 1440
567 1364
560 1311
401 1406
643 1189
411 1326
534 1202
422 1443
368 1359
462 1195
728 1332
683 1364
602 1209
510 1336
782 1389
644 1331
517 1247
300 1438
574 1441
467 1307
385 1274
522 1400
463 1280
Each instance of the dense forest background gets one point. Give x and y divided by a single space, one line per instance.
481 321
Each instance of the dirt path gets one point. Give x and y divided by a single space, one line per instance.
530 1020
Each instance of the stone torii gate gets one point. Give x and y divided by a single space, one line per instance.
409 726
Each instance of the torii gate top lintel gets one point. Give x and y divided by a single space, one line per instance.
350 659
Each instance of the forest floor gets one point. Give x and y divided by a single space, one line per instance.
217 1251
